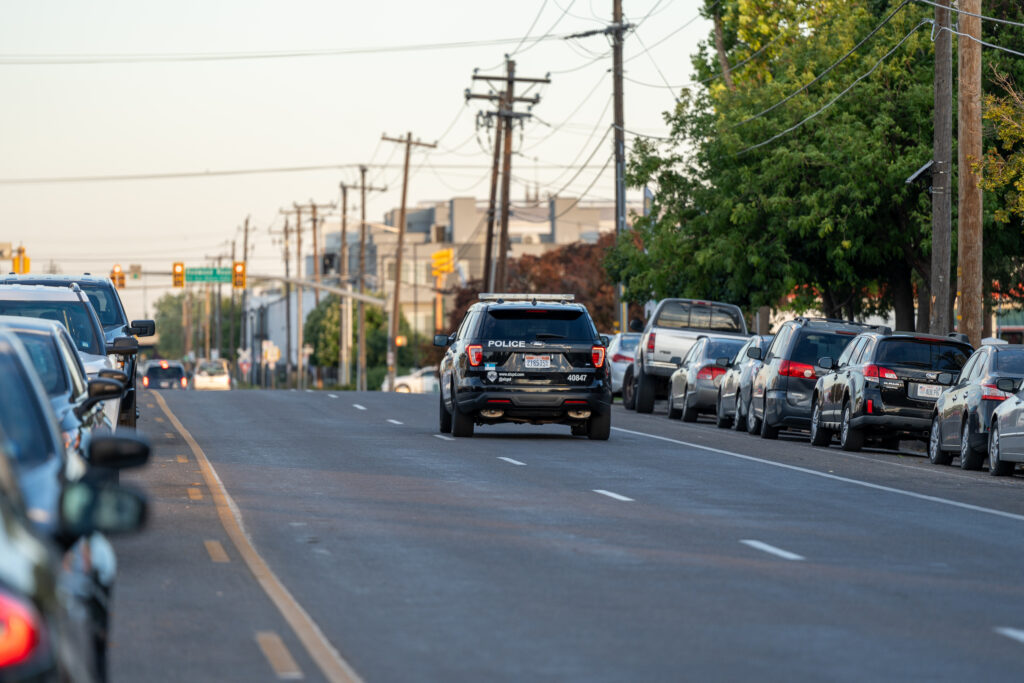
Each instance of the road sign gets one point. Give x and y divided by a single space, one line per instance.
135 270
244 356
206 274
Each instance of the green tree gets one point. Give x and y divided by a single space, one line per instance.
169 325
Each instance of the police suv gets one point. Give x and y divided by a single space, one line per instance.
527 358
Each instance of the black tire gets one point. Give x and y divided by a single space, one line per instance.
628 390
689 413
997 467
644 392
444 417
673 412
722 421
936 455
820 436
740 423
850 438
767 431
970 458
753 421
599 427
462 424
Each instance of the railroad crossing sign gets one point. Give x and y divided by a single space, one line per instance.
207 274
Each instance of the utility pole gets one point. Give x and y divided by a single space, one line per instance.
245 314
506 112
491 208
396 310
231 319
217 314
287 301
299 356
942 176
969 249
360 306
344 324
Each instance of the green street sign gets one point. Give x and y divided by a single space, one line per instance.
208 275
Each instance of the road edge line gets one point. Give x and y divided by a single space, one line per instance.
333 666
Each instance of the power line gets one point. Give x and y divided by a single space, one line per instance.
659 42
530 30
549 32
982 42
971 14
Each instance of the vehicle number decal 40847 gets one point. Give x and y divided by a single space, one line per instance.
577 378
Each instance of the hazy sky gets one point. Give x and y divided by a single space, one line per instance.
74 120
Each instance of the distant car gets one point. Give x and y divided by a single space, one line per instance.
883 388
693 387
963 412
621 350
164 374
734 391
421 381
211 375
114 321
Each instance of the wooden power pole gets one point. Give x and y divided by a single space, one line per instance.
969 243
942 175
396 309
344 324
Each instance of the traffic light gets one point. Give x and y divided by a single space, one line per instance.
178 274
21 262
442 262
238 275
117 276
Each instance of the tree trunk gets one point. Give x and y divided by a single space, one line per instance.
828 305
903 298
720 47
924 299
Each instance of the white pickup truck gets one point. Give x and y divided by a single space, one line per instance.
670 332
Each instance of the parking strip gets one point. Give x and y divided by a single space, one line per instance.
276 652
216 552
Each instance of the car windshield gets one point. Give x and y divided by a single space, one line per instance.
629 343
104 300
815 345
22 416
678 315
537 324
922 353
213 368
1010 361
722 348
74 315
43 353
159 373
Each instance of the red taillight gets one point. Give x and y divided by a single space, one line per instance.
650 342
790 368
475 353
19 631
710 372
990 392
597 356
145 381
621 358
871 406
874 372
163 364
184 382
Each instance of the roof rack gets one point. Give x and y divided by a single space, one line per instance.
525 296
885 329
959 336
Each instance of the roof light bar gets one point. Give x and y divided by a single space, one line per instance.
519 296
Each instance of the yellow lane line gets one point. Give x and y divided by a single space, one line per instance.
182 458
277 654
333 666
216 551
194 493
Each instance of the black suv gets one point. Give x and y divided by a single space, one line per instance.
107 303
527 358
780 394
883 386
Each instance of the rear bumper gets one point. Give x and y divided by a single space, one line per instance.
782 410
909 424
534 404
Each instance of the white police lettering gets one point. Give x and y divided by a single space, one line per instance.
507 344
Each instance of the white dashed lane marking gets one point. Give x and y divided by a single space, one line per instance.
511 461
772 550
358 407
614 496
394 422
1012 633
443 437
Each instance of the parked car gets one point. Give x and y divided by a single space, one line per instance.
164 374
106 302
419 381
963 413
883 387
674 327
1005 435
783 387
693 387
621 351
211 375
734 390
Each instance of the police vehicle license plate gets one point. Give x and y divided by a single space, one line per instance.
928 390
537 362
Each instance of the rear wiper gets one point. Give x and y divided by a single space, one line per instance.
548 335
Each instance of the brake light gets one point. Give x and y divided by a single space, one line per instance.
475 353
710 372
597 356
990 392
790 368
650 342
874 372
163 364
622 358
184 382
145 381
19 631
871 406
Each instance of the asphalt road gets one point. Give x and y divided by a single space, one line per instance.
669 552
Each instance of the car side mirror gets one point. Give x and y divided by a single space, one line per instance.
124 346
827 363
1007 384
723 362
118 452
117 375
754 352
605 341
110 509
142 328
442 340
100 389
636 325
